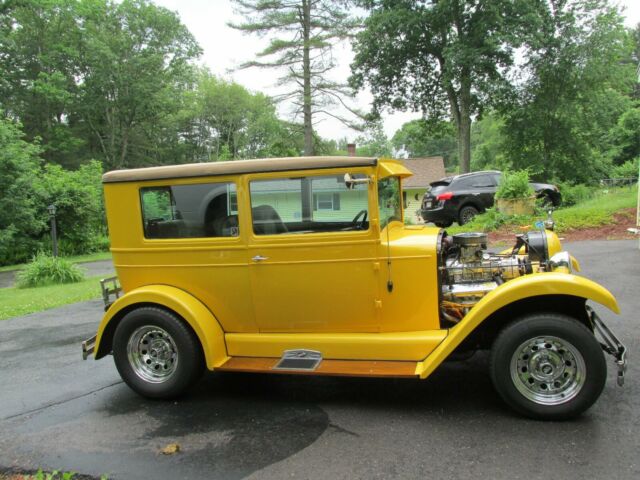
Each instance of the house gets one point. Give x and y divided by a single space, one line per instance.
425 170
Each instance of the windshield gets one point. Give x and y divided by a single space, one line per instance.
389 200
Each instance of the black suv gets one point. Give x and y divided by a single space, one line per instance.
461 197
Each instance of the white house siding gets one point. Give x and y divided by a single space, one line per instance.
411 214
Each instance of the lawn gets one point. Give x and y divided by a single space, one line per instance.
21 301
594 212
90 257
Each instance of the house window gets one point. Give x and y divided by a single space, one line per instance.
324 201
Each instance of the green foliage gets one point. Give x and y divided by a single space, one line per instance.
577 85
629 169
444 59
21 218
374 143
574 194
593 212
55 475
514 184
47 270
420 138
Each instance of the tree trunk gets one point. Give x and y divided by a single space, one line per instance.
306 71
464 125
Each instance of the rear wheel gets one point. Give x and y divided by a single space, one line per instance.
156 353
466 214
548 366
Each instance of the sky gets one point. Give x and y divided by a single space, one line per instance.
224 49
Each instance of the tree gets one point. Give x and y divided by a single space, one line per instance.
446 58
303 33
22 218
577 83
419 138
134 63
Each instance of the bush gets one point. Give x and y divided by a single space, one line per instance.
574 194
515 184
628 169
47 270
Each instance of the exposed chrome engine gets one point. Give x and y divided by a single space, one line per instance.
469 271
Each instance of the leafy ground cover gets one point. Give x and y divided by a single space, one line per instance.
91 257
606 207
21 301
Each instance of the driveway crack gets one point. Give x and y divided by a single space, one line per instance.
60 402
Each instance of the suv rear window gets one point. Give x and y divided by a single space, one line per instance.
190 211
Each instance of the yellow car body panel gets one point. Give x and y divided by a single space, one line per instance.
402 346
199 318
534 285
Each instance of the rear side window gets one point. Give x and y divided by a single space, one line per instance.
481 181
190 211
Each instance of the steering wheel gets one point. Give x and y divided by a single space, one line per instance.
358 223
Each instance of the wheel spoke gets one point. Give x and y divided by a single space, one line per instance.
152 354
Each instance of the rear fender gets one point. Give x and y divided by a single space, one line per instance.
192 310
534 285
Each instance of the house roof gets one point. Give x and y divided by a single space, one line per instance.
425 170
235 167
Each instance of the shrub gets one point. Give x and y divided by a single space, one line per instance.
628 169
47 270
574 194
515 184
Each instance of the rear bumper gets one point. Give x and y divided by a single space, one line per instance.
438 215
88 347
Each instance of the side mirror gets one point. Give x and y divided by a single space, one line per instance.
350 181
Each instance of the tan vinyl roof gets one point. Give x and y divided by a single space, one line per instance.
234 167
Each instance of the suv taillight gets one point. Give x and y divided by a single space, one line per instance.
444 196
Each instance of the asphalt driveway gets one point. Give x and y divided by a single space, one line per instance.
58 412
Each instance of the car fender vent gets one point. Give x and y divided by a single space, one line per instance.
299 360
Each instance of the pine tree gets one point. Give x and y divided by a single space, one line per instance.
302 36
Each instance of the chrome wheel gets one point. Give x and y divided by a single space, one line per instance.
152 354
548 370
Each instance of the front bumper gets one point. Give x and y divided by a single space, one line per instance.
88 347
610 344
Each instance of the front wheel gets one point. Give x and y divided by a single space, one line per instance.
156 353
548 366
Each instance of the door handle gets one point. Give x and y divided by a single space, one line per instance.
259 258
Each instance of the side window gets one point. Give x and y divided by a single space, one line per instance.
466 182
483 181
190 211
308 205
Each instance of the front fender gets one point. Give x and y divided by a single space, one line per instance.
192 310
535 285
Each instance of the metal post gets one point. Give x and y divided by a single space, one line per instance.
54 230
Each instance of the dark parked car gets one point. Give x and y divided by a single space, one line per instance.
461 197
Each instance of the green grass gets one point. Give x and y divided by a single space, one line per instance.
90 257
21 301
594 212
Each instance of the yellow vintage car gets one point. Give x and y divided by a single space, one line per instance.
305 266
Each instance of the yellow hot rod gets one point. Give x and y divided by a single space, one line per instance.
304 265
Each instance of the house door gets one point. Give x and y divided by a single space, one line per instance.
312 256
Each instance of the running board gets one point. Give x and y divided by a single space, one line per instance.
346 368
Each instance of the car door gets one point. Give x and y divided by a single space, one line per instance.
484 187
312 254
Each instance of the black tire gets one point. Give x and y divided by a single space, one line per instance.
553 350
443 224
466 214
174 361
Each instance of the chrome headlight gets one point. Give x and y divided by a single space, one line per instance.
561 260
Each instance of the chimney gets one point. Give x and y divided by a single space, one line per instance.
351 149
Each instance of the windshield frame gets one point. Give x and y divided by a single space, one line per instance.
393 185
